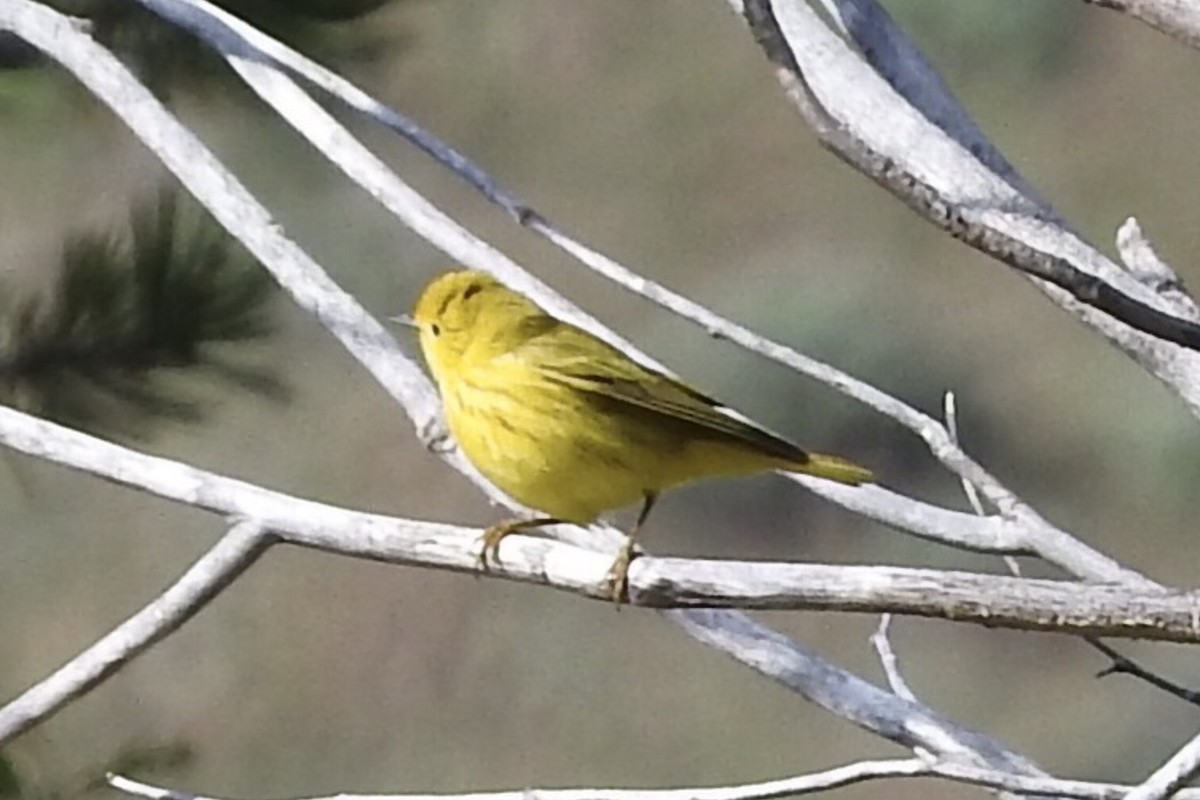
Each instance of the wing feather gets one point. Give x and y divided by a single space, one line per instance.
571 357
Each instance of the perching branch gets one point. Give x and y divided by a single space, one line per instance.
995 600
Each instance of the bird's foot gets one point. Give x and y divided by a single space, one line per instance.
489 544
617 580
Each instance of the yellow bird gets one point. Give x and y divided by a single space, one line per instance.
569 425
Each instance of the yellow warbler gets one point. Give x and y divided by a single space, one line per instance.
568 425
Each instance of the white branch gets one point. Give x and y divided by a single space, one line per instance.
882 643
1144 264
995 600
899 61
858 772
215 570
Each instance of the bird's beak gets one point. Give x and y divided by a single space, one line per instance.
406 320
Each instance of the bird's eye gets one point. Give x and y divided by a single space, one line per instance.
435 329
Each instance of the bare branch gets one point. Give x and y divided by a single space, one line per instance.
901 63
882 643
216 569
804 784
1125 665
994 600
858 772
864 121
381 538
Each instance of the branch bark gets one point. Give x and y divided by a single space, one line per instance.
1115 610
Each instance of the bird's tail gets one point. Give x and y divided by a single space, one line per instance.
835 468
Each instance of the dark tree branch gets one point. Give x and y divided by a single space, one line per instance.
1122 664
959 219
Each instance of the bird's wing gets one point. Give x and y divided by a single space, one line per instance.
574 358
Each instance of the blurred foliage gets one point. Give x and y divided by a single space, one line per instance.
164 55
124 314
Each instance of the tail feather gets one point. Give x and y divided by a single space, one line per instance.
835 468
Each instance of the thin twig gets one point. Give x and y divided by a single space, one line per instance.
950 410
204 580
881 641
1125 665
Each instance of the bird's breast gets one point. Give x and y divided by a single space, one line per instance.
548 448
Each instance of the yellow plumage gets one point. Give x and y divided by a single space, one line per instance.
572 427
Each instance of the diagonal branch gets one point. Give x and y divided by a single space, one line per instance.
863 120
1124 665
220 566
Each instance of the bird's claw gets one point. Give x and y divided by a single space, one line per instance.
489 546
435 437
617 580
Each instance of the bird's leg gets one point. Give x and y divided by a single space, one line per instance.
618 573
489 552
